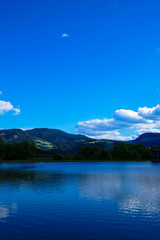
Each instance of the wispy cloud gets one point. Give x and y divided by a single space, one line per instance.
0 92
65 35
143 120
17 111
25 129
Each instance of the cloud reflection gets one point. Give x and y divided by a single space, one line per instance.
133 193
6 211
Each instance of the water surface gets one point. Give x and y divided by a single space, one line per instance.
80 201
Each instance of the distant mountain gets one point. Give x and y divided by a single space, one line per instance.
57 140
148 139
53 139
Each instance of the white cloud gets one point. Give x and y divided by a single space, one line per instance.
65 35
137 122
145 130
17 111
25 129
6 107
150 113
128 115
112 135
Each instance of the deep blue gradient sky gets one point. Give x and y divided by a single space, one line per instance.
110 60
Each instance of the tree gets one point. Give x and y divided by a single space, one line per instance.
19 151
58 156
144 152
2 149
125 151
68 156
93 153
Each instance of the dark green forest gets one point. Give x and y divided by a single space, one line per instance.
121 151
17 151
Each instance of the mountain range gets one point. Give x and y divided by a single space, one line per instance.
57 140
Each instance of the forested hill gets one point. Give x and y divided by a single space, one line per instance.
148 139
57 140
53 139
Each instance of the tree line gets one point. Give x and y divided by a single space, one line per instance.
121 151
16 151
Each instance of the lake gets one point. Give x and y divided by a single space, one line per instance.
80 201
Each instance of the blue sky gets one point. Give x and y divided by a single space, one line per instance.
79 65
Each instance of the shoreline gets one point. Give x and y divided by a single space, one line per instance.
69 161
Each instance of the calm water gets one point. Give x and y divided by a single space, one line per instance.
80 201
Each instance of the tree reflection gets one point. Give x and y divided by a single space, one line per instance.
32 178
